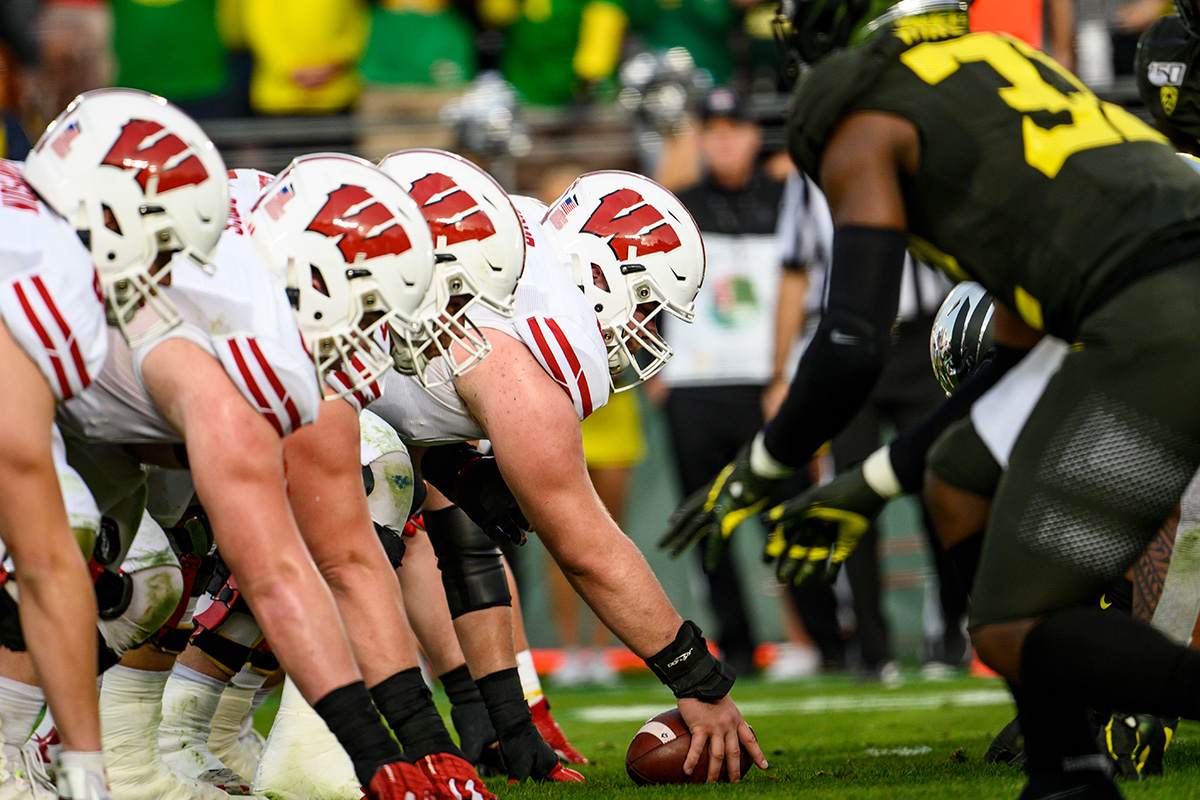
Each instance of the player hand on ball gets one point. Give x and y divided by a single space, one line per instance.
720 726
716 510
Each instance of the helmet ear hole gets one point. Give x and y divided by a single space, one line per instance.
318 280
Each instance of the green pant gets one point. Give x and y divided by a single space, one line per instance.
1104 457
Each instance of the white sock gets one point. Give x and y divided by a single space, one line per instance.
1179 604
20 705
189 701
531 685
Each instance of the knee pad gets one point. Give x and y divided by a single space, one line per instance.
390 488
156 593
226 628
471 566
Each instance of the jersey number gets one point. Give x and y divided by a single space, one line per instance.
1092 123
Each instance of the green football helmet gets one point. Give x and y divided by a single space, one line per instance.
811 29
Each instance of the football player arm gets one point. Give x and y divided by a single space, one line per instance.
790 314
535 432
58 608
861 171
237 465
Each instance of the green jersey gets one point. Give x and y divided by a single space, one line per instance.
1168 75
1027 182
169 47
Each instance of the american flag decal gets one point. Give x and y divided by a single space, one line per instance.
281 198
558 217
62 145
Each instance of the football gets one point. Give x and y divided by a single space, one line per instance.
657 753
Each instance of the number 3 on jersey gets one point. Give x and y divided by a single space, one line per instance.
1092 123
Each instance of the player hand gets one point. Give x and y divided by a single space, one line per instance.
482 494
721 727
716 510
812 534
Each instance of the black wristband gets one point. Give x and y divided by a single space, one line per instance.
687 668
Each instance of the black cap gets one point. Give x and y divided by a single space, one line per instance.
724 102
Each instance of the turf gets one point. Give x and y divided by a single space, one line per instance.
830 738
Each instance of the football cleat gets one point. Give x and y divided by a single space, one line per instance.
553 734
25 777
453 778
1008 747
1136 742
399 780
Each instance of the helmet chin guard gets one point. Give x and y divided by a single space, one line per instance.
140 181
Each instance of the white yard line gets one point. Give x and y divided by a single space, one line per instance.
810 705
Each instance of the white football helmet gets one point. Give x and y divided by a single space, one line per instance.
357 259
636 252
136 177
480 249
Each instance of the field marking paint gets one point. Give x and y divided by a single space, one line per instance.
811 705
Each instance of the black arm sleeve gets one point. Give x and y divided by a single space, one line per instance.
908 450
841 364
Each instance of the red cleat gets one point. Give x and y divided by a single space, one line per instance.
564 775
453 778
554 735
399 780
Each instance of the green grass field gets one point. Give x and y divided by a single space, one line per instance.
833 739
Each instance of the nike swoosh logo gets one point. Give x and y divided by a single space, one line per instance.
837 337
1104 604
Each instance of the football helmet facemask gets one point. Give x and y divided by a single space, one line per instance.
137 178
480 250
636 252
961 337
357 259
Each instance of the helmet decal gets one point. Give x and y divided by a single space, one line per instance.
452 213
168 158
354 230
632 226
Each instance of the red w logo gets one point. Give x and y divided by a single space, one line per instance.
631 225
354 230
450 211
160 158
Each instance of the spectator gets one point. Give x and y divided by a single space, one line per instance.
419 43
705 28
174 50
557 51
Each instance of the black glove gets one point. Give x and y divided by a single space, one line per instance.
814 533
715 511
484 496
473 481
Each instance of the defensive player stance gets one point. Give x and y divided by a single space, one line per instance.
908 133
228 383
89 171
636 252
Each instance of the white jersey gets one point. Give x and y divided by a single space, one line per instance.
49 292
551 317
240 315
1000 414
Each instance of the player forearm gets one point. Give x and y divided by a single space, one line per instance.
610 574
848 351
790 315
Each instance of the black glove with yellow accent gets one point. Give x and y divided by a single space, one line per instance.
716 510
812 534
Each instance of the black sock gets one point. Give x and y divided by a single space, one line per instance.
354 720
1058 736
1104 660
964 555
525 752
407 705
468 712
